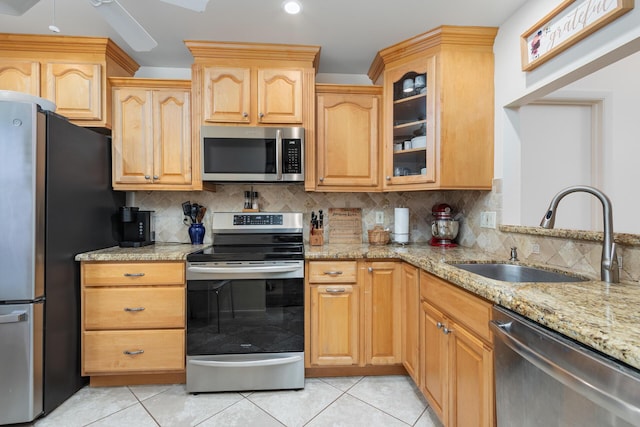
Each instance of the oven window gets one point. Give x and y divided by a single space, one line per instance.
245 316
232 155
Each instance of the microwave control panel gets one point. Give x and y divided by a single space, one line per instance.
292 156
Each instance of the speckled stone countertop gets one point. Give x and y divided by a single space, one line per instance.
600 315
155 252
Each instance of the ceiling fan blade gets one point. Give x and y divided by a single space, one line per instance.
120 20
16 7
195 5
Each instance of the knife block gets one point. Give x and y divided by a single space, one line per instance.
316 238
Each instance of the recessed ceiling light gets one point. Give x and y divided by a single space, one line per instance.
292 7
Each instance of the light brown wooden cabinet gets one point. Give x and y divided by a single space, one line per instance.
410 279
252 95
354 316
451 105
152 145
382 312
456 348
133 322
347 149
72 72
333 298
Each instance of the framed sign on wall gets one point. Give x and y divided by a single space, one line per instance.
566 25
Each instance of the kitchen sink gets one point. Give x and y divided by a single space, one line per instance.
517 273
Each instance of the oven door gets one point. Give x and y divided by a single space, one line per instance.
245 325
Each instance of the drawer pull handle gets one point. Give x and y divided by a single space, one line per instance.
133 309
133 274
133 353
333 273
335 290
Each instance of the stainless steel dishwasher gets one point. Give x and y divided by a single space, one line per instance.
546 379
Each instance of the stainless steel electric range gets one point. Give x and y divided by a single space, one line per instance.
245 305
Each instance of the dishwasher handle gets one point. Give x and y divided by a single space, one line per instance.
566 377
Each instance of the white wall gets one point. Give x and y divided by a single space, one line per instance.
515 88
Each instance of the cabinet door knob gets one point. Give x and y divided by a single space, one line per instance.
446 330
147 177
321 178
261 115
245 114
388 178
156 177
439 325
370 269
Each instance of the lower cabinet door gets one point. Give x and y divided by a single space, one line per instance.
108 352
335 322
433 369
470 381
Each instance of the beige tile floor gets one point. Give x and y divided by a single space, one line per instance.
344 401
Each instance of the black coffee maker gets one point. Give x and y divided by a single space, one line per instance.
137 227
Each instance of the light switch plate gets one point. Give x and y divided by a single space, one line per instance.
379 217
488 219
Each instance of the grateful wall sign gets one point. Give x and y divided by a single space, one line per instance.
566 25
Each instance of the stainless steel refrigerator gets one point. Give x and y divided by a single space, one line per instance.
56 201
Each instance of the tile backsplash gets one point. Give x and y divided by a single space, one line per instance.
581 257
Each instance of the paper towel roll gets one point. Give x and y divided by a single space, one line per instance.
401 225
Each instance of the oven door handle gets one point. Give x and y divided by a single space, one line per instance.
579 385
242 364
245 269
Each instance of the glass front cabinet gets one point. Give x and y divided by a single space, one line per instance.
410 137
438 110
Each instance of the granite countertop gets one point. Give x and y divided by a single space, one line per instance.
600 315
155 252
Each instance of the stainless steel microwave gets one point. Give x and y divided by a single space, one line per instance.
252 154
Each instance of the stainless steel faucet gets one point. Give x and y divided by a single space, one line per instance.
609 271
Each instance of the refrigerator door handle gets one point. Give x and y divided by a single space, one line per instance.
14 317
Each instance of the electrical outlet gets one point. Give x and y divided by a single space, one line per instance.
379 217
535 248
488 219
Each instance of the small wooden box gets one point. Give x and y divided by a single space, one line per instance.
316 238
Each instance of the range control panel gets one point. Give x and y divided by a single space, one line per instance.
268 219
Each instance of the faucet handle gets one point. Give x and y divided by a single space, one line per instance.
514 254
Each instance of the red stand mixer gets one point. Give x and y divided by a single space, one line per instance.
444 227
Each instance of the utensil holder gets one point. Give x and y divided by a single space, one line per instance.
196 233
316 238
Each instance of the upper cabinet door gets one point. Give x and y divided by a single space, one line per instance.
410 143
20 76
132 137
76 89
347 132
172 137
279 95
227 95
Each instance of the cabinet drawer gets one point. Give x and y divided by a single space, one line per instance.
151 351
133 308
332 271
461 306
133 273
